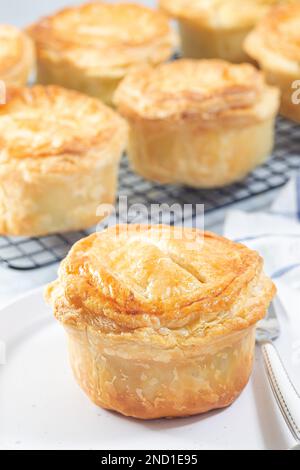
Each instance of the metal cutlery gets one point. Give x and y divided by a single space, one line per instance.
287 397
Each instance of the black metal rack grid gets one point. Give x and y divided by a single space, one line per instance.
31 253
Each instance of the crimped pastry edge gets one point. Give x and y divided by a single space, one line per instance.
251 301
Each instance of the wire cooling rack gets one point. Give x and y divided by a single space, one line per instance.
31 253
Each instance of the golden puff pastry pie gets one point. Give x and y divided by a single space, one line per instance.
275 44
17 55
59 155
217 28
160 320
200 123
91 47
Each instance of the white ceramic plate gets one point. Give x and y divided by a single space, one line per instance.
41 406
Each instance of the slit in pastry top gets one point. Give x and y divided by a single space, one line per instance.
131 277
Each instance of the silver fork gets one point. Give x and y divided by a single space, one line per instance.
284 391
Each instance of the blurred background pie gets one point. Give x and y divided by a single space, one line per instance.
91 47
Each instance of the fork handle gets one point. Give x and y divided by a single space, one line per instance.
285 393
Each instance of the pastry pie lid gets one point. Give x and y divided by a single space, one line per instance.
276 40
105 38
128 278
50 120
212 90
220 14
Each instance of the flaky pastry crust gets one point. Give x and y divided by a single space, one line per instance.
221 13
59 153
275 44
217 28
203 123
17 55
142 304
213 90
99 43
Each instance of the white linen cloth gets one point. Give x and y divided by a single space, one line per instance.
276 236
